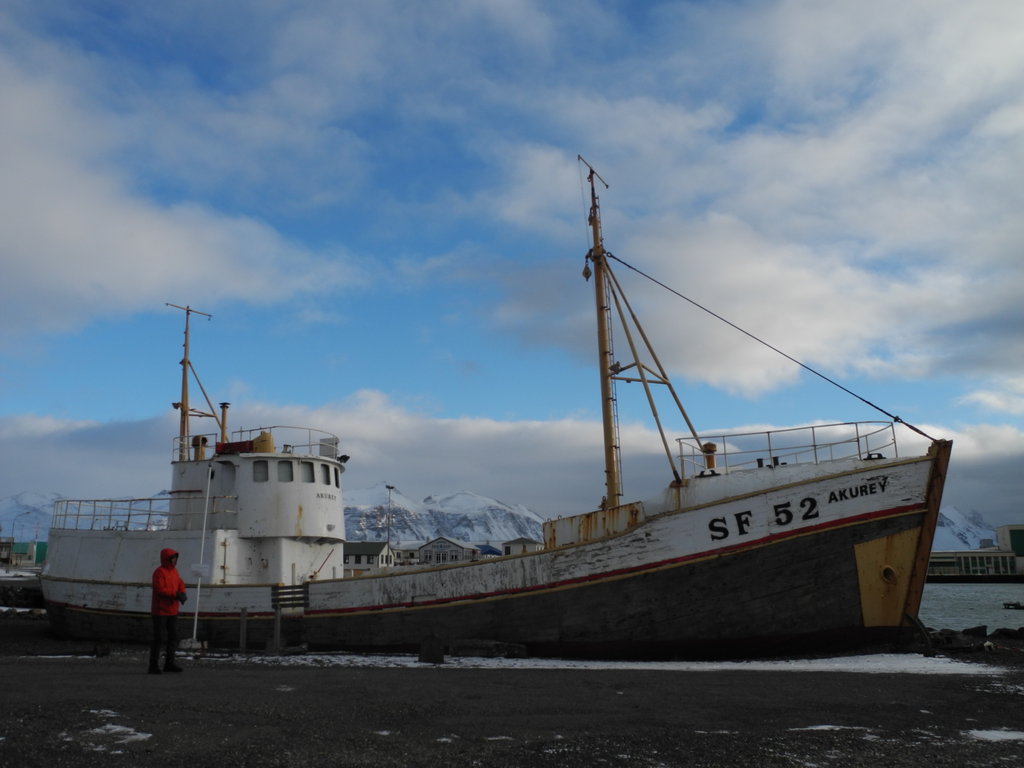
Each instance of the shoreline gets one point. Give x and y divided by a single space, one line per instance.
87 704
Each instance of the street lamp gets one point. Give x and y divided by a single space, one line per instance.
390 489
14 530
14 525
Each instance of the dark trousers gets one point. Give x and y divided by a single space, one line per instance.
165 628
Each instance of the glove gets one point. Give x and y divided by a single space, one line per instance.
182 597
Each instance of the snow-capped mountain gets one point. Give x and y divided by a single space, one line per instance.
463 515
958 531
26 516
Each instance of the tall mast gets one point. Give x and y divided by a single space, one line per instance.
606 363
183 406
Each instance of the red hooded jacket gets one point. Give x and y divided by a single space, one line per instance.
166 586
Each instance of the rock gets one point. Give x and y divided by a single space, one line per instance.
948 640
1004 633
489 649
432 651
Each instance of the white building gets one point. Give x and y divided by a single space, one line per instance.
367 556
441 551
521 546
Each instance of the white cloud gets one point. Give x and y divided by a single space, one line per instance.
1009 402
30 426
863 219
78 242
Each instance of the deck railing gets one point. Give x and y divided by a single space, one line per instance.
798 445
110 514
130 514
301 441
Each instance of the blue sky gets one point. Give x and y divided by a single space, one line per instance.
380 205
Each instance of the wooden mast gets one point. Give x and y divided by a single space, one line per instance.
606 363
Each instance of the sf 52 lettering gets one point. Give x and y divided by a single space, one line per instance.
738 524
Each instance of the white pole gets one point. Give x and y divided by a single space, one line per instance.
202 554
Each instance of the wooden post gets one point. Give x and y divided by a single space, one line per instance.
275 641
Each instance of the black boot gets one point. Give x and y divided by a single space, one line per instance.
170 666
154 669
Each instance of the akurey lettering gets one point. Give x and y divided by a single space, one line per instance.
853 492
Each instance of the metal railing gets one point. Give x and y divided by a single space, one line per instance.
301 441
136 514
110 514
797 445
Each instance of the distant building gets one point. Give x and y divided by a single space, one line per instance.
521 546
442 550
21 554
486 550
1011 539
1001 559
362 557
407 552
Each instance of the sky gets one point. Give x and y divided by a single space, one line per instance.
380 205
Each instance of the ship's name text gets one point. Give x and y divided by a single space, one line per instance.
787 512
330 496
865 489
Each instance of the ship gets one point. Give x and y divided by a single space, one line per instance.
805 540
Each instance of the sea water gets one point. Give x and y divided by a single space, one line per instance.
959 606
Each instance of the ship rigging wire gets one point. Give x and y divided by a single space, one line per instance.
742 330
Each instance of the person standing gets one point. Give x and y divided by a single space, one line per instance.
168 595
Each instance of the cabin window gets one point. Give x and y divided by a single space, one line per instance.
337 478
307 471
260 471
285 471
325 474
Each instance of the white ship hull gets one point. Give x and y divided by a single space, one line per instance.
820 553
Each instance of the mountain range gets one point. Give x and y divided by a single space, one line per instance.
371 514
377 513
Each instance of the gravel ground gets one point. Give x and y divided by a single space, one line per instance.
64 705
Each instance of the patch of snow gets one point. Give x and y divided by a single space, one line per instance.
125 733
1000 735
882 663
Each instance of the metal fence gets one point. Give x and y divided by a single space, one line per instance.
111 514
798 445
